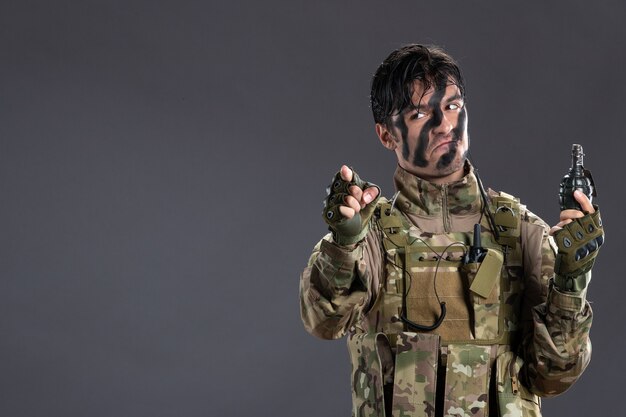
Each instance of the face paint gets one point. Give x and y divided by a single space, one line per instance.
447 158
457 132
419 159
433 145
400 124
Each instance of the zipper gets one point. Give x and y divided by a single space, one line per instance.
444 208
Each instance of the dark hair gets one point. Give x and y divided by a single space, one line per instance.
392 84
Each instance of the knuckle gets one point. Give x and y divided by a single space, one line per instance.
352 202
355 191
346 212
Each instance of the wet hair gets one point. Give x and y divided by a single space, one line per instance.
392 84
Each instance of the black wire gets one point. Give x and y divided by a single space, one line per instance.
406 288
439 257
485 208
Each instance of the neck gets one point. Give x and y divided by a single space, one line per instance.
441 179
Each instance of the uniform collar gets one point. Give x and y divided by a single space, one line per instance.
423 198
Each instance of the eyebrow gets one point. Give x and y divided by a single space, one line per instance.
454 97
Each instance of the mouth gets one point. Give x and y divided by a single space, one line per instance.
445 143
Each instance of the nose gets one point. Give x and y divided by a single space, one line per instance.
445 126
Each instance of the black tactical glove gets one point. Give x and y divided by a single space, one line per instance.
578 243
347 231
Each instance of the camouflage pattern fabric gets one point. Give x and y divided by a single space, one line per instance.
422 197
514 399
415 381
333 290
467 381
417 252
358 291
557 349
563 323
368 367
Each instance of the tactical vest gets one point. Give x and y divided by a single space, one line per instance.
451 370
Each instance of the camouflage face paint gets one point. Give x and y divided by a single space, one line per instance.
419 159
457 134
400 124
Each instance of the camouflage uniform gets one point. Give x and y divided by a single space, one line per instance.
506 339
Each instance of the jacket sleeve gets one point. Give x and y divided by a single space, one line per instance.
556 345
339 284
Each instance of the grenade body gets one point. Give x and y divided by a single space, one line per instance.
578 178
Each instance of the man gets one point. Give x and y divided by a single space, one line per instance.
449 295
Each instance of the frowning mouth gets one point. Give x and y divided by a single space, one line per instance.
444 143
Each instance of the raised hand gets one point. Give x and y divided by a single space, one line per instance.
349 206
578 236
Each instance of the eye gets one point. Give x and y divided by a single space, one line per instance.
418 115
454 106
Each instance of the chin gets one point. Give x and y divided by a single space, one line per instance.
452 166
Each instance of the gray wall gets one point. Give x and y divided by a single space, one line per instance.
162 165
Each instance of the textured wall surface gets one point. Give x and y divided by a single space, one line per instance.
162 165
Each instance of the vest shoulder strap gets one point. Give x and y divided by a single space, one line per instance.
508 213
394 224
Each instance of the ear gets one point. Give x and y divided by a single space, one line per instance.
386 137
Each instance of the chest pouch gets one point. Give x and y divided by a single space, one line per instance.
372 367
471 292
432 278
412 378
426 269
483 280
467 380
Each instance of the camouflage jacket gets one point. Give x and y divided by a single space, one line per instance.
493 354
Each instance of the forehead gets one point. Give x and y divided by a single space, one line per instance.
437 92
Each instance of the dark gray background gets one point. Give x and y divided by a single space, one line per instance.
162 165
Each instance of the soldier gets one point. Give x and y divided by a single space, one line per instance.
455 301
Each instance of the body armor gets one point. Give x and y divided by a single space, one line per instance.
453 367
